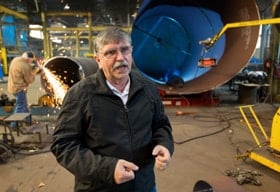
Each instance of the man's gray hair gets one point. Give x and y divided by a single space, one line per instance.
110 35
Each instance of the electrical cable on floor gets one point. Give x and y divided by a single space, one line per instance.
26 148
220 120
31 152
19 150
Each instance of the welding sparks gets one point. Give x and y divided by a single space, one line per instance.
56 86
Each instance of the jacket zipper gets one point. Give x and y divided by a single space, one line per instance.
130 132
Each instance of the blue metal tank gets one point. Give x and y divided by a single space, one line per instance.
166 37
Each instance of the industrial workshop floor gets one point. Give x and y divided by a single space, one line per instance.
207 140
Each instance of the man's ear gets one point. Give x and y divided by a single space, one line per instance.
96 58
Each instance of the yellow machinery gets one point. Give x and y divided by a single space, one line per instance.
209 42
275 132
267 151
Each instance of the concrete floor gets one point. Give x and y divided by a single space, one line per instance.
207 140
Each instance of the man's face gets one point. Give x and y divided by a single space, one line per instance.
115 59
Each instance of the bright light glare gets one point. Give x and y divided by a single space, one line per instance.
56 85
37 34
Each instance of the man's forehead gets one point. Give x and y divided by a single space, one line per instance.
116 44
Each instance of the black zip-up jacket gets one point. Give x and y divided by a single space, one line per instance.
94 129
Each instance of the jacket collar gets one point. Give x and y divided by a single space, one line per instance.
136 83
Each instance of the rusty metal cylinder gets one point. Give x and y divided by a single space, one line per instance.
166 37
70 70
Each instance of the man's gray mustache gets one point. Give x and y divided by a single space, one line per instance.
120 64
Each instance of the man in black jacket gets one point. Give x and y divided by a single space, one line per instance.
112 129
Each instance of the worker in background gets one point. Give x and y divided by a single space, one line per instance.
22 72
112 129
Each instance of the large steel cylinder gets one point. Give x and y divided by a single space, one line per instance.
166 37
69 70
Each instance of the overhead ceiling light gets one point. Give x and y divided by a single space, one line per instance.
36 33
66 7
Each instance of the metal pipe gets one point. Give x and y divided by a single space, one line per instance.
166 37
69 69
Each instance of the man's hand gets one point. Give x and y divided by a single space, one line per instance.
124 171
38 70
162 156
